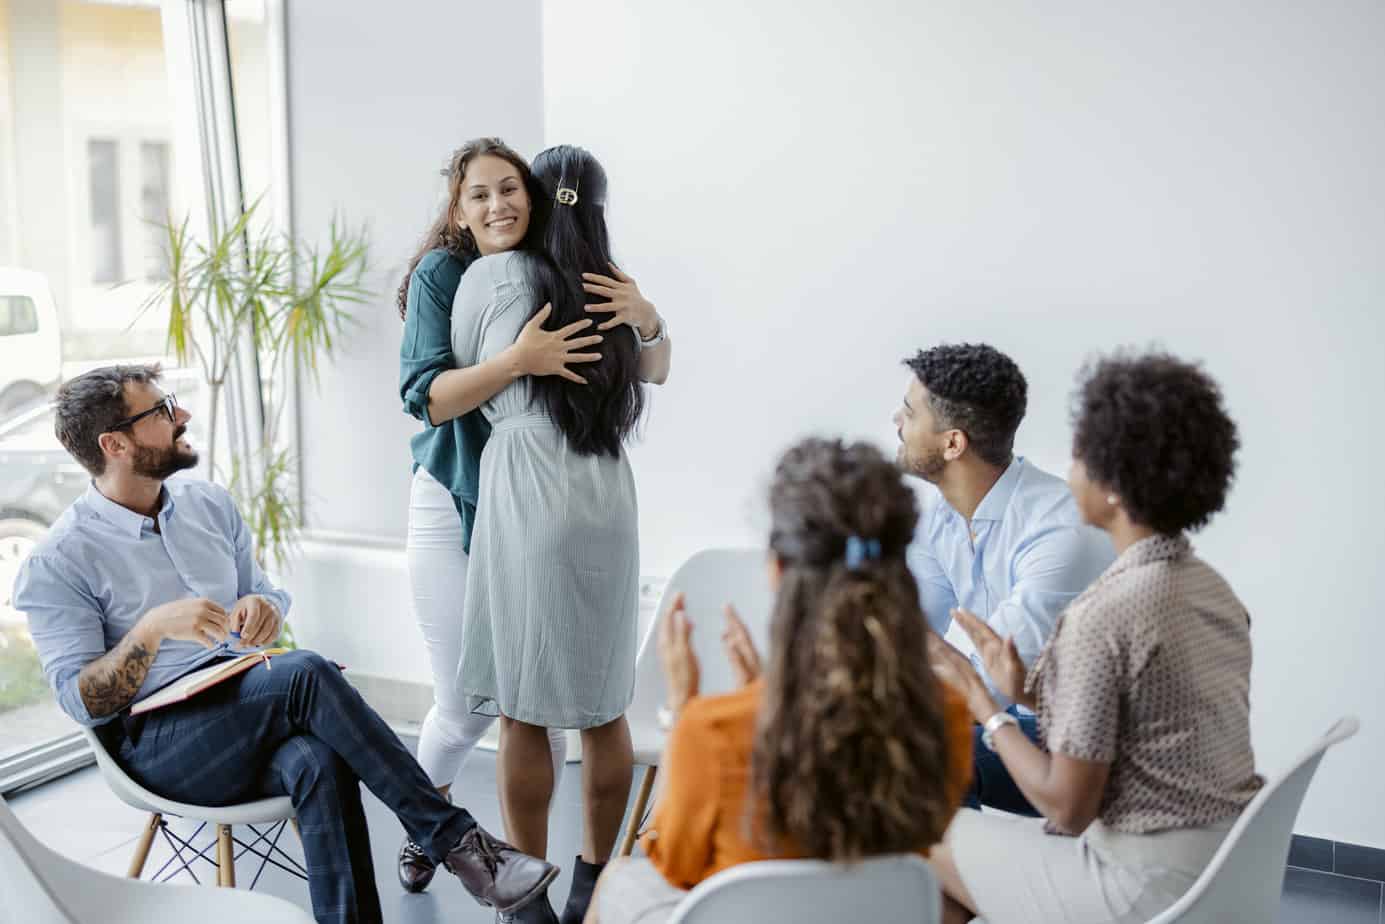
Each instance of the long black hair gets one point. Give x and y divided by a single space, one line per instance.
597 417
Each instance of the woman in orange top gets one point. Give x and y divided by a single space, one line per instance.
847 746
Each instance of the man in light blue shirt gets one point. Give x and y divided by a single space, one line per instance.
133 562
998 537
144 579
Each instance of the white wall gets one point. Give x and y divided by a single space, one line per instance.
379 96
812 190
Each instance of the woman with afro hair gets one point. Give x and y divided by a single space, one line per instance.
1142 692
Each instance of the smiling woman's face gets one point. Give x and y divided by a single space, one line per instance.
494 204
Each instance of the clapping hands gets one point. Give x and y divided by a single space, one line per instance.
682 672
999 656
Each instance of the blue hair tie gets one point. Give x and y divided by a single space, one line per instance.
859 551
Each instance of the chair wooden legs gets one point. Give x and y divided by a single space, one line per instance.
225 852
146 839
627 843
225 857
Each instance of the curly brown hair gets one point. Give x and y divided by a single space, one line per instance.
850 755
445 233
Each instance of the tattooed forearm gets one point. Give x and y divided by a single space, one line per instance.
109 683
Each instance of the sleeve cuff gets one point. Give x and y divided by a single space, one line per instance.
416 396
1068 747
70 700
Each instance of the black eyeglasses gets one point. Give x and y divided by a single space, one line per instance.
169 405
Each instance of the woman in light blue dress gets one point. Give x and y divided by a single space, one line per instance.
549 624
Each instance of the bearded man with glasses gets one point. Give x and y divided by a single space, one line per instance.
147 578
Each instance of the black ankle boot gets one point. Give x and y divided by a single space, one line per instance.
539 911
584 877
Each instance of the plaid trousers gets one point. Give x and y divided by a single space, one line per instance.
296 728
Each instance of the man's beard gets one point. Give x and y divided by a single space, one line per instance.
159 464
930 468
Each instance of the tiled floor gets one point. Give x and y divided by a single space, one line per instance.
78 816
1330 899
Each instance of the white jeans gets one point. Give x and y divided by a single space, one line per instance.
437 577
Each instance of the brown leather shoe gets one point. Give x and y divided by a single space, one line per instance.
497 874
415 868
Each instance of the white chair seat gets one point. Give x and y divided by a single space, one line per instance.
275 811
261 811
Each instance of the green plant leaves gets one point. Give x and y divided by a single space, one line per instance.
289 300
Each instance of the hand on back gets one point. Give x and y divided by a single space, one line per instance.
551 352
625 304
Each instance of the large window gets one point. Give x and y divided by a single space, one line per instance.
103 139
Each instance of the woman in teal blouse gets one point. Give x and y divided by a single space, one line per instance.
447 451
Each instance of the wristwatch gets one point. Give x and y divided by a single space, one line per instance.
659 337
993 725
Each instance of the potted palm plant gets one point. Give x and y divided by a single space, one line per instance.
276 309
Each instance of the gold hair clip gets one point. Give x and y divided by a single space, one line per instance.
567 195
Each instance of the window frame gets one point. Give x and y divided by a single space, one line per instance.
202 128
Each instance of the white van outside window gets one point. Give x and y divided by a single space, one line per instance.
30 343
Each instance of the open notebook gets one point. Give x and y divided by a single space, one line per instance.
190 685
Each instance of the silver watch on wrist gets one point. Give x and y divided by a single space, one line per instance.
993 725
659 337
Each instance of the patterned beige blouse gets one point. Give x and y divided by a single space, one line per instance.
1149 670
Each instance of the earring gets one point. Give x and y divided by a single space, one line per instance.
1112 499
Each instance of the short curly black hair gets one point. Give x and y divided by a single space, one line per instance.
1153 429
977 389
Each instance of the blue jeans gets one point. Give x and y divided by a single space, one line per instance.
991 783
297 729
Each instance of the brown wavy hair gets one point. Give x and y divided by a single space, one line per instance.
850 756
446 234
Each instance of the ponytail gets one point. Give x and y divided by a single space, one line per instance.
851 731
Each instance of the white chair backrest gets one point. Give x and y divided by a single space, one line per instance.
1245 878
893 888
708 580
25 895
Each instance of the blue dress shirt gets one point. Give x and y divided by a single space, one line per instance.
102 567
1024 557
